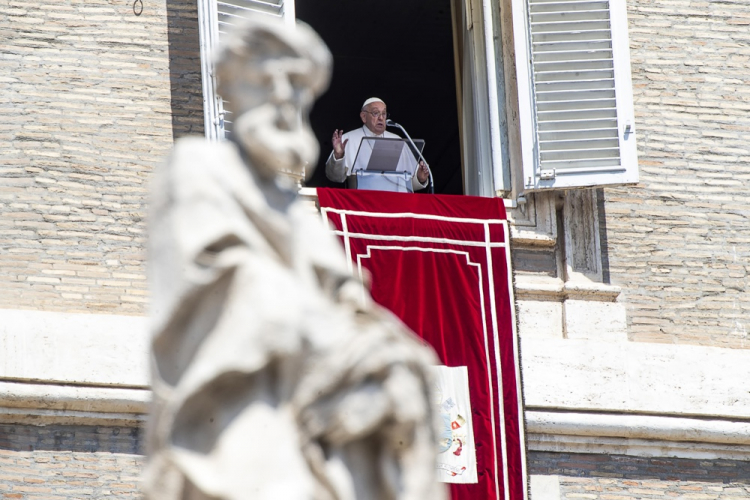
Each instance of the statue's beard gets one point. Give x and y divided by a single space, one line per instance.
276 140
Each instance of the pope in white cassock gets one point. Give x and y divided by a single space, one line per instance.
346 145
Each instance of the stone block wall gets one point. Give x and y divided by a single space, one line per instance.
55 462
679 242
66 461
620 477
92 96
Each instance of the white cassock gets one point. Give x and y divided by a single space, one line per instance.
341 170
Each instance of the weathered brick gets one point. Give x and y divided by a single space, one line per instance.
581 476
71 68
694 128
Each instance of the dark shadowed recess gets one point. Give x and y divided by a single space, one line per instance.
402 52
184 68
77 438
602 213
628 468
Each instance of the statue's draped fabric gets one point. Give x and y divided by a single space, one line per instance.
271 378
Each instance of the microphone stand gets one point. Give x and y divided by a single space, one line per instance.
391 123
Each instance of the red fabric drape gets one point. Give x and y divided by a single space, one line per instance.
441 264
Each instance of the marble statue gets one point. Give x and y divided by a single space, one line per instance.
271 378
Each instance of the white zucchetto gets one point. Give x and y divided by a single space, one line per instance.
371 100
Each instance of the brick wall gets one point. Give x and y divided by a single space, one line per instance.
63 461
91 98
619 477
56 462
678 242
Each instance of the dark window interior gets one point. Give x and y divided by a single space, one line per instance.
402 52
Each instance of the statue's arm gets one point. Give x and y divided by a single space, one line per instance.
210 265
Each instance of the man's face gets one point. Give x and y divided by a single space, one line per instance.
271 100
376 124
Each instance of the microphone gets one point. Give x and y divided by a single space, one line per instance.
391 123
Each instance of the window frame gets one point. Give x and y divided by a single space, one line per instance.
498 119
214 115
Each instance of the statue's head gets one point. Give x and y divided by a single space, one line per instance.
269 74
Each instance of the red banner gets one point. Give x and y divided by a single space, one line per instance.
442 264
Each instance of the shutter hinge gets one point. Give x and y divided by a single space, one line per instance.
547 175
219 120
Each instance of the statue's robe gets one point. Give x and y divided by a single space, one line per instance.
271 378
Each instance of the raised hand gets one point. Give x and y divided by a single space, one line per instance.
338 146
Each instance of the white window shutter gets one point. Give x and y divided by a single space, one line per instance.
216 18
575 93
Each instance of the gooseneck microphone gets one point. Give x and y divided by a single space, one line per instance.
391 123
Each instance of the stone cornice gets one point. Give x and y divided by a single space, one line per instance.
638 435
43 404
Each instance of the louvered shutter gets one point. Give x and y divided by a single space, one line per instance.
575 94
216 18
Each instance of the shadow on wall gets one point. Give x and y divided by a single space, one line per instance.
618 468
602 214
184 68
74 438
